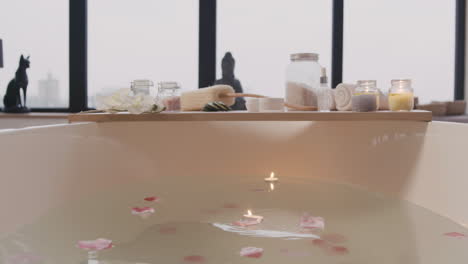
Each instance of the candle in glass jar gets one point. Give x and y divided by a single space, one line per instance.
365 97
401 101
401 96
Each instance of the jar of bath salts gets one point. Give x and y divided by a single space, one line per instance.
303 79
401 96
366 97
169 95
141 86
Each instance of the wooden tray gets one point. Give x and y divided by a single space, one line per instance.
422 116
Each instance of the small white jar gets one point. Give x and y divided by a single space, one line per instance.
271 104
252 105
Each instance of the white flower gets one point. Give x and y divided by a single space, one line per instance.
139 104
115 102
124 100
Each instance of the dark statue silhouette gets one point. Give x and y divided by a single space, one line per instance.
227 65
12 99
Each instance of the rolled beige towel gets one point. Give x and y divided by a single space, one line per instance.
343 94
383 101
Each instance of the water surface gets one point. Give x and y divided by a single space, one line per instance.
193 223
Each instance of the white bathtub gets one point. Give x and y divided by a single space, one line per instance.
424 163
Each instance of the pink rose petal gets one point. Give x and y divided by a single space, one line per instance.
338 251
142 210
95 245
167 230
230 206
321 243
194 259
334 238
330 249
295 253
246 222
455 234
251 252
312 222
152 199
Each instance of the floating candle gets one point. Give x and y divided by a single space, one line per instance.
272 178
251 216
246 223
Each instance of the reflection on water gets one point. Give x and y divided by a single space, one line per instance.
193 223
264 233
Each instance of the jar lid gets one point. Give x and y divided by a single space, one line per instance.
305 57
144 83
367 83
401 82
168 86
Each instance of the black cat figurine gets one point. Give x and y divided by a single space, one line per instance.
12 98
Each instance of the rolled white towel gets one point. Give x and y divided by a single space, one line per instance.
343 94
383 101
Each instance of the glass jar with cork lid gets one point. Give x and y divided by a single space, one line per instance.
303 79
366 96
169 95
141 87
401 95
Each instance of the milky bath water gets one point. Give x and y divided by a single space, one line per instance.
194 221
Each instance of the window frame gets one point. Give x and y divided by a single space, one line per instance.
78 55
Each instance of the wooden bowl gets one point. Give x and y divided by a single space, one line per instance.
437 108
456 108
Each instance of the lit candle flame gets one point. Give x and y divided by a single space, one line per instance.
249 213
272 175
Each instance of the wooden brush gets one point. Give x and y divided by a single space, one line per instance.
196 100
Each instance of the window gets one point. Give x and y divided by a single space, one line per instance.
158 40
39 29
262 34
386 40
145 39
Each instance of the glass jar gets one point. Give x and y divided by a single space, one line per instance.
169 95
366 96
141 87
401 95
303 79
